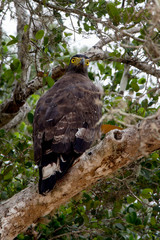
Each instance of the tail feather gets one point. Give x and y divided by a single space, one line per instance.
46 185
53 168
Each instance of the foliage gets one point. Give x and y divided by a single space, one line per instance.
17 167
125 207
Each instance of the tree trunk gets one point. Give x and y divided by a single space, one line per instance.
117 149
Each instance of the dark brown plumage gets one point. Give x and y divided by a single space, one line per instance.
65 122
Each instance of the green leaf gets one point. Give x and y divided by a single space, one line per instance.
155 156
113 12
29 47
3 195
2 133
79 30
156 208
86 27
28 164
39 34
46 39
108 70
9 76
8 172
130 199
15 65
30 117
145 104
134 85
101 68
50 81
15 40
11 36
118 66
132 218
46 50
138 94
117 207
146 193
153 221
141 80
141 111
21 237
120 226
131 238
67 34
26 28
58 38
127 12
118 77
5 49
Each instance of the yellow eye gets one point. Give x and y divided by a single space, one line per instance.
73 60
87 62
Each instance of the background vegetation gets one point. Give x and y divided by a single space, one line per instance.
126 62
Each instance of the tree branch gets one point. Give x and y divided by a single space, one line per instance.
19 117
118 148
143 66
22 20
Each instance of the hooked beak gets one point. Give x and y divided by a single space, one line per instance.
82 62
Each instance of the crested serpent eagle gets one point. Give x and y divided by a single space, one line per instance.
66 122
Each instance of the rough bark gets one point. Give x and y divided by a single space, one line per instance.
24 39
118 148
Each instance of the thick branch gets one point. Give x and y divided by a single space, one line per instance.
19 117
119 148
148 68
23 52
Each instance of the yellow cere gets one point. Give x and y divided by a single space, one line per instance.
76 61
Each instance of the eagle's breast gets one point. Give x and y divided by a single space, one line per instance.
65 125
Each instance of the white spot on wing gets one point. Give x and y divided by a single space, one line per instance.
80 132
51 169
49 120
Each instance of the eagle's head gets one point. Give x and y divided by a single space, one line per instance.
79 64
